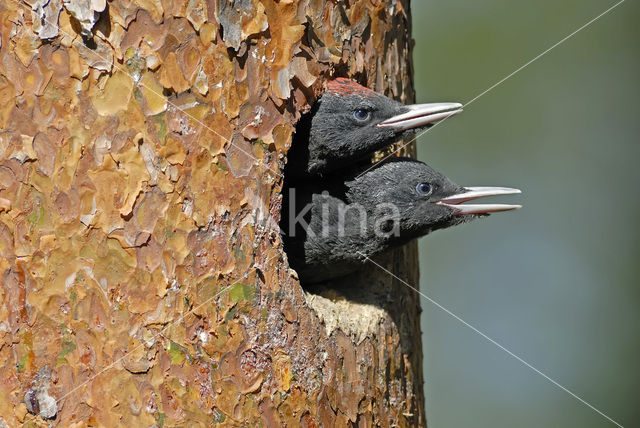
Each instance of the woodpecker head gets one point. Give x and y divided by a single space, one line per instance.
349 122
424 199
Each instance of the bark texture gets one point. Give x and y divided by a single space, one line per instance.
143 280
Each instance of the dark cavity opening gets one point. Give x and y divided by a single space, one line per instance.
340 295
355 301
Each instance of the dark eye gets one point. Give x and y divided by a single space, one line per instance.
361 114
424 189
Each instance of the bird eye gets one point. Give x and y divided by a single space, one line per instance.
424 189
361 114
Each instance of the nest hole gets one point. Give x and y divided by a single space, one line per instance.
355 303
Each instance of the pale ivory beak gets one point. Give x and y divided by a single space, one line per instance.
470 193
421 115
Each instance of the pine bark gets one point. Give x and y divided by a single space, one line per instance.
143 280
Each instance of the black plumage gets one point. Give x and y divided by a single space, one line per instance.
349 122
341 221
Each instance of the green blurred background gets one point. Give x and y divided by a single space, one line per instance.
557 282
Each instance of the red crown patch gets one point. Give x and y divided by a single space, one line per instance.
347 87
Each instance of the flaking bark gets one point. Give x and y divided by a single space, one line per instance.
143 280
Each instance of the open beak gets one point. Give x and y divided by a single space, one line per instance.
470 193
421 115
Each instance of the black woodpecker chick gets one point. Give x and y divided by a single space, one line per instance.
334 228
349 122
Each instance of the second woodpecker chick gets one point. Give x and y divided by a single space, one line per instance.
350 122
331 230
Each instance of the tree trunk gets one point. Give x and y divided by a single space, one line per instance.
143 277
